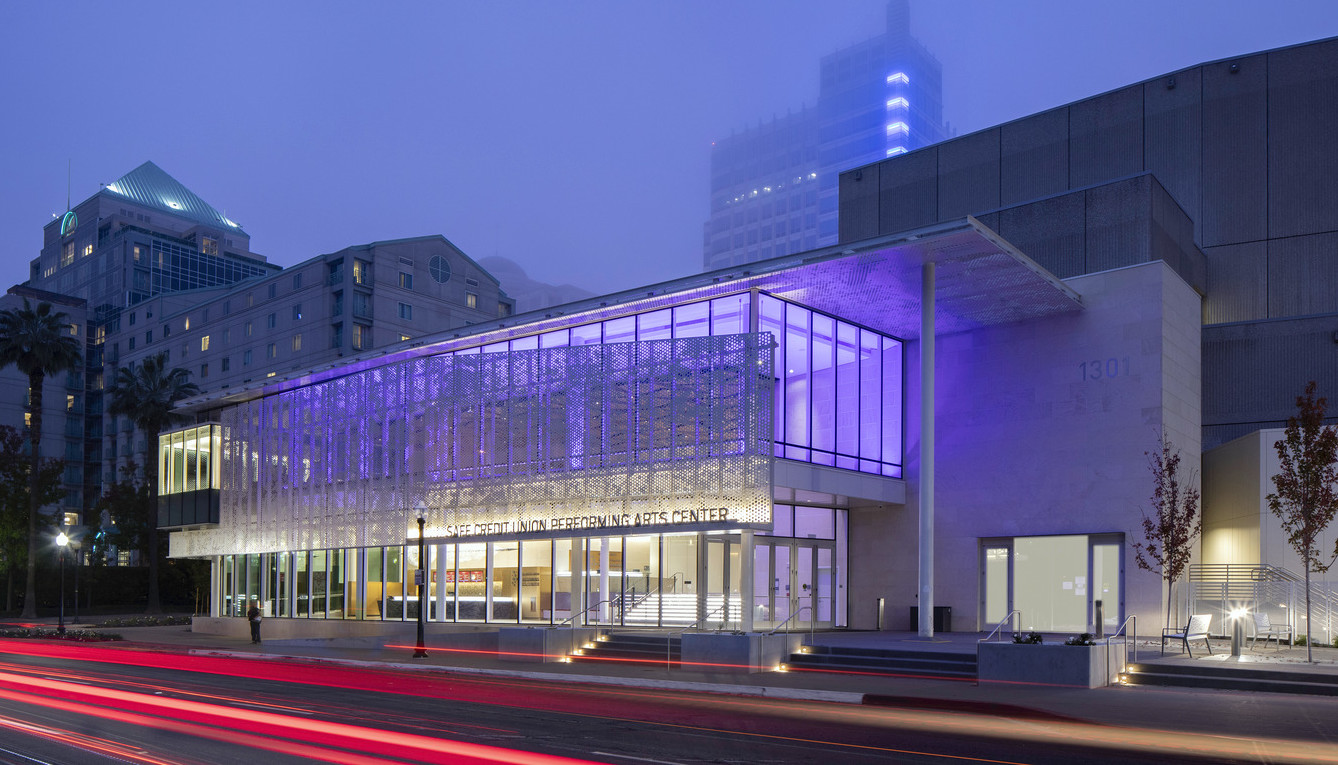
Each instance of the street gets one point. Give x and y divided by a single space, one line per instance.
80 703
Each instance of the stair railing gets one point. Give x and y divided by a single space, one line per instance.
1001 624
669 637
812 620
570 622
1131 619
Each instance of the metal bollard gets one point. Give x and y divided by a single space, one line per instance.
880 614
1098 616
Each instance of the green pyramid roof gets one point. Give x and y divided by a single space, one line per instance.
148 185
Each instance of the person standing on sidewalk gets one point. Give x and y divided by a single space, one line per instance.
253 615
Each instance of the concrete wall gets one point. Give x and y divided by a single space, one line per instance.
1032 442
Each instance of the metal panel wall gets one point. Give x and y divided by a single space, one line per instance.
1173 239
857 214
1303 275
968 180
1253 372
559 440
908 192
1051 232
1034 157
1173 129
1237 283
1302 123
1106 137
1235 159
1119 224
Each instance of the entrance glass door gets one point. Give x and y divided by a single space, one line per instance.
793 578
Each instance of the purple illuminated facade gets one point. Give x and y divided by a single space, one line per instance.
737 450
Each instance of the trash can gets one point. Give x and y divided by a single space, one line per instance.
942 618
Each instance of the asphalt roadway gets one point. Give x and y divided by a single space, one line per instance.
1258 717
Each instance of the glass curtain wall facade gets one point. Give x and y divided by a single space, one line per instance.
641 580
837 402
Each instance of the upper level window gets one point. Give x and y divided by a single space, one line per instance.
406 280
362 272
406 311
209 245
471 300
297 281
204 343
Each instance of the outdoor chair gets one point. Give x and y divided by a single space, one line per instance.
1264 628
1197 629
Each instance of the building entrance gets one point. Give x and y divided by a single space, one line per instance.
794 580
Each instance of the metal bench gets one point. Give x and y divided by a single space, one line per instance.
1197 629
1266 629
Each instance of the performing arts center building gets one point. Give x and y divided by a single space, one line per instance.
743 449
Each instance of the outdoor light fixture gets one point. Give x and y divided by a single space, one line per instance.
1237 616
62 542
420 578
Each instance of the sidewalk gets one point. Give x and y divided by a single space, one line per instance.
1196 710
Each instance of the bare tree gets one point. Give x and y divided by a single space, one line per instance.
1305 500
1171 530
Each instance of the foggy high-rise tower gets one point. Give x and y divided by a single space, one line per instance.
773 186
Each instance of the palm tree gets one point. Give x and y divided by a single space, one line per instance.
37 341
146 394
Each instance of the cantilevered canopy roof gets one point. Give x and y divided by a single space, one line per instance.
981 281
149 185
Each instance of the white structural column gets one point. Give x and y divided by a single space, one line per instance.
746 601
927 450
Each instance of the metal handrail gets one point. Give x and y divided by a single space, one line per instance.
1131 618
669 636
571 644
1001 623
812 620
585 611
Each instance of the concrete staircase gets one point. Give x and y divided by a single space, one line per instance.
634 647
679 608
1233 678
884 661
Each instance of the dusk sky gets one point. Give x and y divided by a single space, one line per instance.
571 137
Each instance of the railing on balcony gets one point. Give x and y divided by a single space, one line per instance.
1220 588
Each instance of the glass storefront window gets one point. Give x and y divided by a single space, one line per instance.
319 582
505 581
604 580
471 583
335 604
1050 582
536 581
444 581
678 579
376 595
566 577
641 572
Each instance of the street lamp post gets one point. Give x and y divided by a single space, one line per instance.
420 578
62 541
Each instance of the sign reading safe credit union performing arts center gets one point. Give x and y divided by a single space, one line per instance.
562 441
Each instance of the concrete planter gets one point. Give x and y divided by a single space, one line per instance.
1050 664
738 652
543 644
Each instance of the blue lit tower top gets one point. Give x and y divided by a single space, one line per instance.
774 186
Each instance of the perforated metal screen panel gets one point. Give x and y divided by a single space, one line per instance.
563 441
